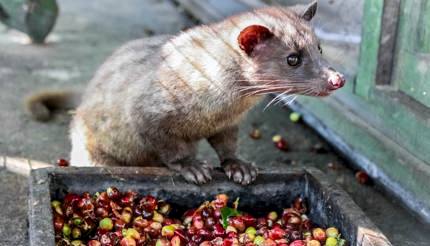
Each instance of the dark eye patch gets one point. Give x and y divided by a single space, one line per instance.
320 49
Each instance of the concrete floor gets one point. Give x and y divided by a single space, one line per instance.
86 33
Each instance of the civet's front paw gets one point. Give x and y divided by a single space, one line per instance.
197 173
239 171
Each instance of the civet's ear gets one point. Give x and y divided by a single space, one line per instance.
310 11
251 36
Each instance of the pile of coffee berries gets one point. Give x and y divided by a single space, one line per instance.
114 218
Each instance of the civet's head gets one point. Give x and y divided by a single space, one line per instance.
283 54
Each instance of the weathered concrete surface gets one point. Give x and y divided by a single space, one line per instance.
13 212
86 33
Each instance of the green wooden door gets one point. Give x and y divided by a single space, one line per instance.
412 70
403 103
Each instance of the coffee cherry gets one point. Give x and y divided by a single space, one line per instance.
230 229
294 220
58 223
131 233
272 216
249 220
218 231
205 243
298 243
245 238
94 243
102 212
119 224
66 230
56 205
331 241
62 163
158 217
77 243
113 193
149 203
313 243
168 231
299 205
128 241
162 242
282 145
77 221
362 177
307 235
176 241
269 242
319 234
140 222
259 240
276 233
306 224
276 138
295 235
238 223
204 233
251 230
106 224
126 215
255 134
163 208
217 213
221 200
76 233
332 232
295 117
210 222
156 225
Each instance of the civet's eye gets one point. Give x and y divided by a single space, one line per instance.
319 49
294 60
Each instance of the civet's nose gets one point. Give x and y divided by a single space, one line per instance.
336 81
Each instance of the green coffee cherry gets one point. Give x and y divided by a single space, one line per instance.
331 241
251 230
331 232
295 117
67 230
106 224
259 240
76 233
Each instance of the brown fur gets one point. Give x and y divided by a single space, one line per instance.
154 99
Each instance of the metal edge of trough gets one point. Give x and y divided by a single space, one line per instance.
40 216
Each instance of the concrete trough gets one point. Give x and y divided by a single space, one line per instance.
328 204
